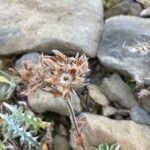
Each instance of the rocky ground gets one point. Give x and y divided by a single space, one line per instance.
115 35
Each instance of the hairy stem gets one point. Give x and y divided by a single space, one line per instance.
73 119
73 116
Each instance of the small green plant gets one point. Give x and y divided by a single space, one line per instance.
107 147
21 124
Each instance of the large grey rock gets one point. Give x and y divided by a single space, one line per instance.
128 134
117 90
125 46
68 25
41 102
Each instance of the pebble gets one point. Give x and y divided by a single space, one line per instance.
97 96
109 110
138 115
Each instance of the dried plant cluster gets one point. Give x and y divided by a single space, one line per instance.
58 74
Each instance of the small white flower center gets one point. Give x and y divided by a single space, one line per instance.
66 78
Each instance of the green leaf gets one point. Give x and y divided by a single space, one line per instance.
103 147
4 80
21 124
115 147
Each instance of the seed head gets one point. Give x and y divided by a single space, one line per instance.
58 74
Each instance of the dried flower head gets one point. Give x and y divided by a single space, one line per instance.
56 74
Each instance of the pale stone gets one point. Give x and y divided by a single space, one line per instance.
96 94
109 110
61 143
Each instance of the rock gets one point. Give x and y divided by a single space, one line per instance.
117 90
118 117
109 110
145 103
60 139
128 134
138 115
41 102
134 9
96 94
62 130
124 7
116 105
34 57
61 143
123 112
45 25
145 3
118 9
130 46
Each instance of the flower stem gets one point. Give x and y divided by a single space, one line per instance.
73 119
73 116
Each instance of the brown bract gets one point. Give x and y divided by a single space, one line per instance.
58 74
